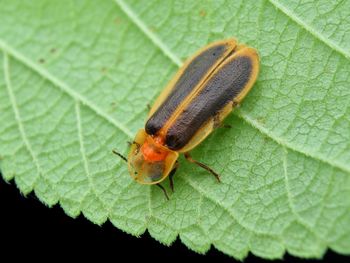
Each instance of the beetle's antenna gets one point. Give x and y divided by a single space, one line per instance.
120 155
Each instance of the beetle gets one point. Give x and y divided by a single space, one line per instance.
201 94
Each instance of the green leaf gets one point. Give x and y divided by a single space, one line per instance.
75 81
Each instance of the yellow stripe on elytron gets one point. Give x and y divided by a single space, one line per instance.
167 90
206 129
231 43
253 55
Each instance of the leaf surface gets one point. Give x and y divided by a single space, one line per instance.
75 81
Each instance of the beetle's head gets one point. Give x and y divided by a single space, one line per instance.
149 161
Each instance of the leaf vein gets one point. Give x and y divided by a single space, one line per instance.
290 198
18 118
153 37
286 144
293 16
63 86
197 188
84 158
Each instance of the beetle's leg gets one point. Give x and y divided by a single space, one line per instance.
235 104
171 175
120 155
218 123
148 106
133 142
164 191
228 126
190 159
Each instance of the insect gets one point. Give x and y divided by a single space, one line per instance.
202 93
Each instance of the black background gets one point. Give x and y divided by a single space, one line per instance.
28 227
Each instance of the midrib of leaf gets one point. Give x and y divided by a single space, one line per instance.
244 116
294 17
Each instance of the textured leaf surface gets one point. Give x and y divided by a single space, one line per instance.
75 80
